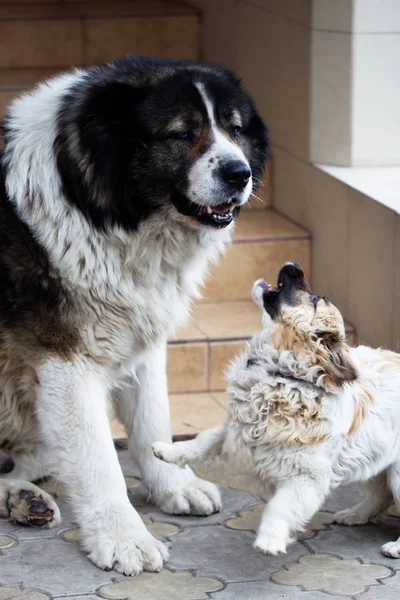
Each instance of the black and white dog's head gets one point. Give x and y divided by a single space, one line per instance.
139 135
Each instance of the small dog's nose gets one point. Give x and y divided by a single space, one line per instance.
236 173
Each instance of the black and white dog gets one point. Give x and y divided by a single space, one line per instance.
118 185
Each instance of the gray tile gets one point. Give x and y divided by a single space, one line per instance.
160 586
344 497
21 532
388 590
362 542
233 501
268 590
330 574
227 554
51 565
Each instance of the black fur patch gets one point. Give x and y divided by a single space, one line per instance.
116 155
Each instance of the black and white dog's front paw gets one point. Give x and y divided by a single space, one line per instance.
187 494
27 504
116 538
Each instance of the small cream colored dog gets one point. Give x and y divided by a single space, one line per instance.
307 413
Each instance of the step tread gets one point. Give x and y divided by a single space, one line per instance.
78 10
256 225
225 321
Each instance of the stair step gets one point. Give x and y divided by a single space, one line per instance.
70 34
200 353
227 317
263 241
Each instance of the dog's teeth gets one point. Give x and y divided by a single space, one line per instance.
209 210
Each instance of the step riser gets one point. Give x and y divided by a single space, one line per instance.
201 367
246 262
72 42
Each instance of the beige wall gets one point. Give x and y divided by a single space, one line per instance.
356 241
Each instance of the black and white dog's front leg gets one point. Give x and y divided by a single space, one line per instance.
72 414
144 410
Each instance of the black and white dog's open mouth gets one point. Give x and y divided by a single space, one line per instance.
218 216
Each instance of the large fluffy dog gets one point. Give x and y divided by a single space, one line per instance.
306 414
118 185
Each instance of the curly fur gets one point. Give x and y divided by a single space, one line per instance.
306 414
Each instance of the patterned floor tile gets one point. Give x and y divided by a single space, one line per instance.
344 497
53 566
6 542
160 586
363 542
161 531
268 590
21 532
232 503
9 592
220 552
330 574
219 474
250 520
389 590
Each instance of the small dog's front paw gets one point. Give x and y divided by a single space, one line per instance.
349 517
270 545
391 549
163 451
29 505
190 495
122 543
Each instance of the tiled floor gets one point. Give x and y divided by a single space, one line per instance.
211 557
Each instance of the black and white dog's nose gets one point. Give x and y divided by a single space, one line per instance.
236 173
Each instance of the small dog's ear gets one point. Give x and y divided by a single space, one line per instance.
339 367
336 360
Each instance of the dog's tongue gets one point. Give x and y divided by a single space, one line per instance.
221 208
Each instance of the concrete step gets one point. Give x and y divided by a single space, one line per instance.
227 317
66 34
263 241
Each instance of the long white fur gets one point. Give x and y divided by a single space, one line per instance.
148 277
301 475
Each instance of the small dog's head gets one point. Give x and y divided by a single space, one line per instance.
306 331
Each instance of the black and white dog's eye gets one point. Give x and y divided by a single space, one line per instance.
236 131
184 136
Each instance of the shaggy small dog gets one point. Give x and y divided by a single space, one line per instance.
307 413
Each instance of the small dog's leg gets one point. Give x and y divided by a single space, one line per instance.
378 499
392 549
72 414
294 504
24 503
206 445
145 414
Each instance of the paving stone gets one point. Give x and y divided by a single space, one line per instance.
232 502
344 497
388 590
161 531
330 574
268 590
221 476
250 520
9 592
220 552
22 532
6 541
52 566
362 541
160 586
